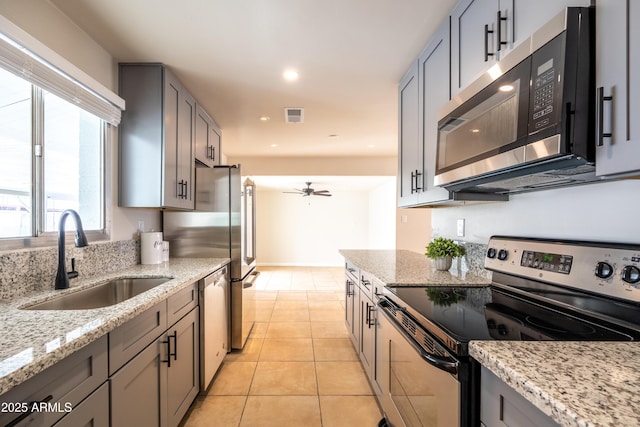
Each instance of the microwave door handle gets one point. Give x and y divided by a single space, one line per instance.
443 363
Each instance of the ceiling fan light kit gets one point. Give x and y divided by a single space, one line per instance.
308 191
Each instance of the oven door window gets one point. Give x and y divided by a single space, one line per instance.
424 395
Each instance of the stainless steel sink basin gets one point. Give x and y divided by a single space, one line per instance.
102 295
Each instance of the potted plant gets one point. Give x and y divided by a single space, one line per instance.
442 251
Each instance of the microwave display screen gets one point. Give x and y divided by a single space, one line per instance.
545 67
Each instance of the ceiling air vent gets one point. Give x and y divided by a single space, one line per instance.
294 115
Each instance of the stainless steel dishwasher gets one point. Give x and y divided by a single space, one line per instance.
214 324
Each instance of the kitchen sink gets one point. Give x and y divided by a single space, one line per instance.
102 295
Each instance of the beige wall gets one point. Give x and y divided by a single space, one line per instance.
413 229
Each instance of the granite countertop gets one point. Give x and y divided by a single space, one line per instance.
575 383
407 268
33 340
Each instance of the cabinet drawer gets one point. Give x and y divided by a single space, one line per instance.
366 284
93 411
129 339
67 382
181 303
352 270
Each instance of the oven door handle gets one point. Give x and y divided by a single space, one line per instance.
443 363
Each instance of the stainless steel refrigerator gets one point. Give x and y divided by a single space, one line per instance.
222 226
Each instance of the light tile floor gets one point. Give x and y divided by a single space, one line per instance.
298 367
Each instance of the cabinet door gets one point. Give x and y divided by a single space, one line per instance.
186 159
172 186
502 406
183 375
472 46
434 93
349 306
216 144
524 17
408 139
93 411
204 148
617 71
138 390
367 335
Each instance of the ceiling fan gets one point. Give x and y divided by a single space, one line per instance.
309 191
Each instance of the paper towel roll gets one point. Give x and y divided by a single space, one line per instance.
151 247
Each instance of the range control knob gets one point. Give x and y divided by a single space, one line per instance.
491 253
503 254
604 270
631 274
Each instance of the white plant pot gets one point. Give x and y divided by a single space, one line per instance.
443 263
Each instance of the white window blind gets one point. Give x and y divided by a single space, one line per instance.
23 55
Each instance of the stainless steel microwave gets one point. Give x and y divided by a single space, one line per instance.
528 122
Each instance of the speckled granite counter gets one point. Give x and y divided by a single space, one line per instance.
33 340
407 268
575 383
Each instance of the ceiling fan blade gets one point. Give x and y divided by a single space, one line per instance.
322 191
322 194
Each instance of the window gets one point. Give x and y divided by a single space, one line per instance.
52 159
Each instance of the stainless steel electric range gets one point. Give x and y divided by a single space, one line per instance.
541 290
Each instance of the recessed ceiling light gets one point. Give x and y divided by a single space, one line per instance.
333 136
290 75
274 145
475 130
264 118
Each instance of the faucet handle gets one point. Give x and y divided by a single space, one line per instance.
73 273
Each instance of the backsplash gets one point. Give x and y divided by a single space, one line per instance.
473 261
27 270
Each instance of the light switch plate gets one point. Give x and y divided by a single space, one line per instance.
461 227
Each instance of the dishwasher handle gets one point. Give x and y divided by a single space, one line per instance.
216 277
249 282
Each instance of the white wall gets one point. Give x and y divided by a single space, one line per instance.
54 29
600 212
309 231
382 216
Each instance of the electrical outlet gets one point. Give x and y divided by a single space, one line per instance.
461 227
140 226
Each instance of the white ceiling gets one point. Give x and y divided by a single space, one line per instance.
350 55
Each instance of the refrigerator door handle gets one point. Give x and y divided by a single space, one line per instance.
249 282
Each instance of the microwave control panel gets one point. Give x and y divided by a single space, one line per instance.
545 97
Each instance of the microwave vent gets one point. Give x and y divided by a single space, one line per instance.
452 124
294 115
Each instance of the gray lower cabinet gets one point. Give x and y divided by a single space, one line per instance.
60 388
352 303
156 367
163 379
93 411
502 406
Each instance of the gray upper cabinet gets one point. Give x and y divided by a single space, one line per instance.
483 31
157 134
618 103
208 139
472 44
409 151
433 94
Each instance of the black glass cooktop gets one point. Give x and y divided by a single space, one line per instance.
494 313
